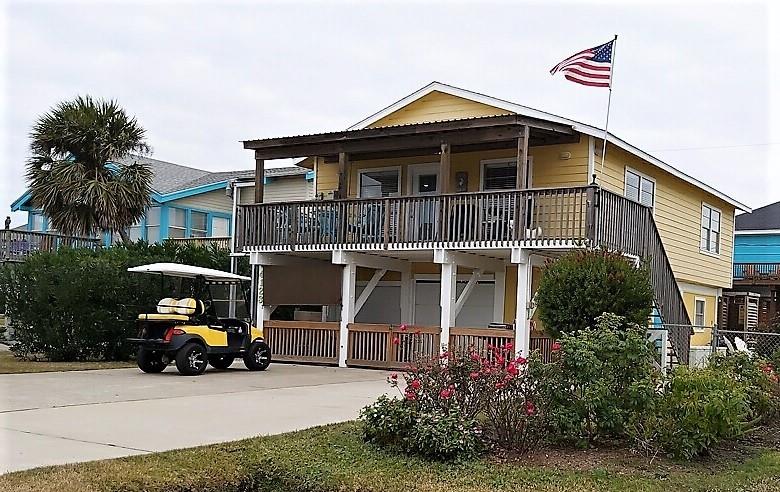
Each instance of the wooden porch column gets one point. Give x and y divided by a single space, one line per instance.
343 174
348 278
445 168
447 300
522 326
522 158
259 180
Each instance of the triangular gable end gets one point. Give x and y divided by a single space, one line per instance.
438 106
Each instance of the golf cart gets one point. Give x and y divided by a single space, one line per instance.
202 327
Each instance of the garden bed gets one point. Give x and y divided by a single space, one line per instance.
335 458
12 365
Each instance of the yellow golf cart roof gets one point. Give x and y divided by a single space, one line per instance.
187 271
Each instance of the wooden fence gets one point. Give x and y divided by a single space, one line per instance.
303 341
17 245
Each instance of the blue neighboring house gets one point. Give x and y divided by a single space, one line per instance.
186 202
756 265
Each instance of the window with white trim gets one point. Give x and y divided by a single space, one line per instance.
220 226
379 183
499 175
710 229
640 188
698 315
153 225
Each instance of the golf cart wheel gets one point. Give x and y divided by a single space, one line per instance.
150 361
191 359
221 361
258 357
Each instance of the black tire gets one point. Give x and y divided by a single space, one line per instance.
191 359
221 361
258 357
150 361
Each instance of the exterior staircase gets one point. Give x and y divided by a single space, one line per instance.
624 225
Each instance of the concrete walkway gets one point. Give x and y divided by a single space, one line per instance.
66 417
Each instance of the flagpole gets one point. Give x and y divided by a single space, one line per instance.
609 103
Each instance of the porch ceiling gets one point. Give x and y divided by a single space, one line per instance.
464 135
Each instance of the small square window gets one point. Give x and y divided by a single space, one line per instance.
710 229
699 319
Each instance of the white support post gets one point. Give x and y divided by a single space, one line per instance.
259 307
407 297
498 296
348 277
449 278
522 325
364 295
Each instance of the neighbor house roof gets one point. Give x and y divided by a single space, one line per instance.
172 181
535 113
764 219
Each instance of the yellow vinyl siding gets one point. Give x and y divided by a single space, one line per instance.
701 336
678 218
213 201
438 106
292 189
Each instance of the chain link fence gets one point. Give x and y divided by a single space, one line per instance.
763 344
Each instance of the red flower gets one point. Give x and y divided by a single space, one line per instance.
411 395
555 346
447 393
444 355
396 340
415 384
393 376
512 369
474 375
490 346
500 384
403 327
474 356
416 332
530 409
500 360
522 360
508 346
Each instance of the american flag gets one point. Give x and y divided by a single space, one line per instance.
591 67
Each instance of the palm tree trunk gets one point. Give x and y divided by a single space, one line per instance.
125 237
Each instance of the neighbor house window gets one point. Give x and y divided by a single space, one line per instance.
153 225
698 317
710 229
177 222
198 224
379 183
134 232
640 188
499 176
220 227
37 223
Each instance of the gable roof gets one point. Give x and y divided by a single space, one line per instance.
766 218
535 113
167 176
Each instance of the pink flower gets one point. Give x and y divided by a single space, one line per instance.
411 395
512 369
508 346
396 340
530 408
415 384
403 327
555 346
474 375
521 360
474 356
447 393
393 376
500 360
416 332
444 355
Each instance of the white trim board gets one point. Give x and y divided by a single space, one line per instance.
535 113
756 232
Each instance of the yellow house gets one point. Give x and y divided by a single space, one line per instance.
423 218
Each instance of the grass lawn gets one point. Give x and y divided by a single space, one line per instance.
334 458
11 365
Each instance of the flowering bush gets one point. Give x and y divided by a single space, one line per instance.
458 402
600 380
759 379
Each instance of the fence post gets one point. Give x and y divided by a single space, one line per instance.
714 340
590 217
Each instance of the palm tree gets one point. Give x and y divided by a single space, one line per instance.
82 172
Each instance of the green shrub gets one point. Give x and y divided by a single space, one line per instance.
600 381
580 286
387 421
79 304
698 409
759 380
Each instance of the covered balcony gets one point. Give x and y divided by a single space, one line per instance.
18 245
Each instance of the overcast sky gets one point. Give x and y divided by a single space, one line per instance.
200 77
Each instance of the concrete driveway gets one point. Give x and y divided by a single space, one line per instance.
66 417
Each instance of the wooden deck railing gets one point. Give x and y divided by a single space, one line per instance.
303 341
538 216
756 271
17 245
222 242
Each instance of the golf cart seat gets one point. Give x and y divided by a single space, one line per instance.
170 309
